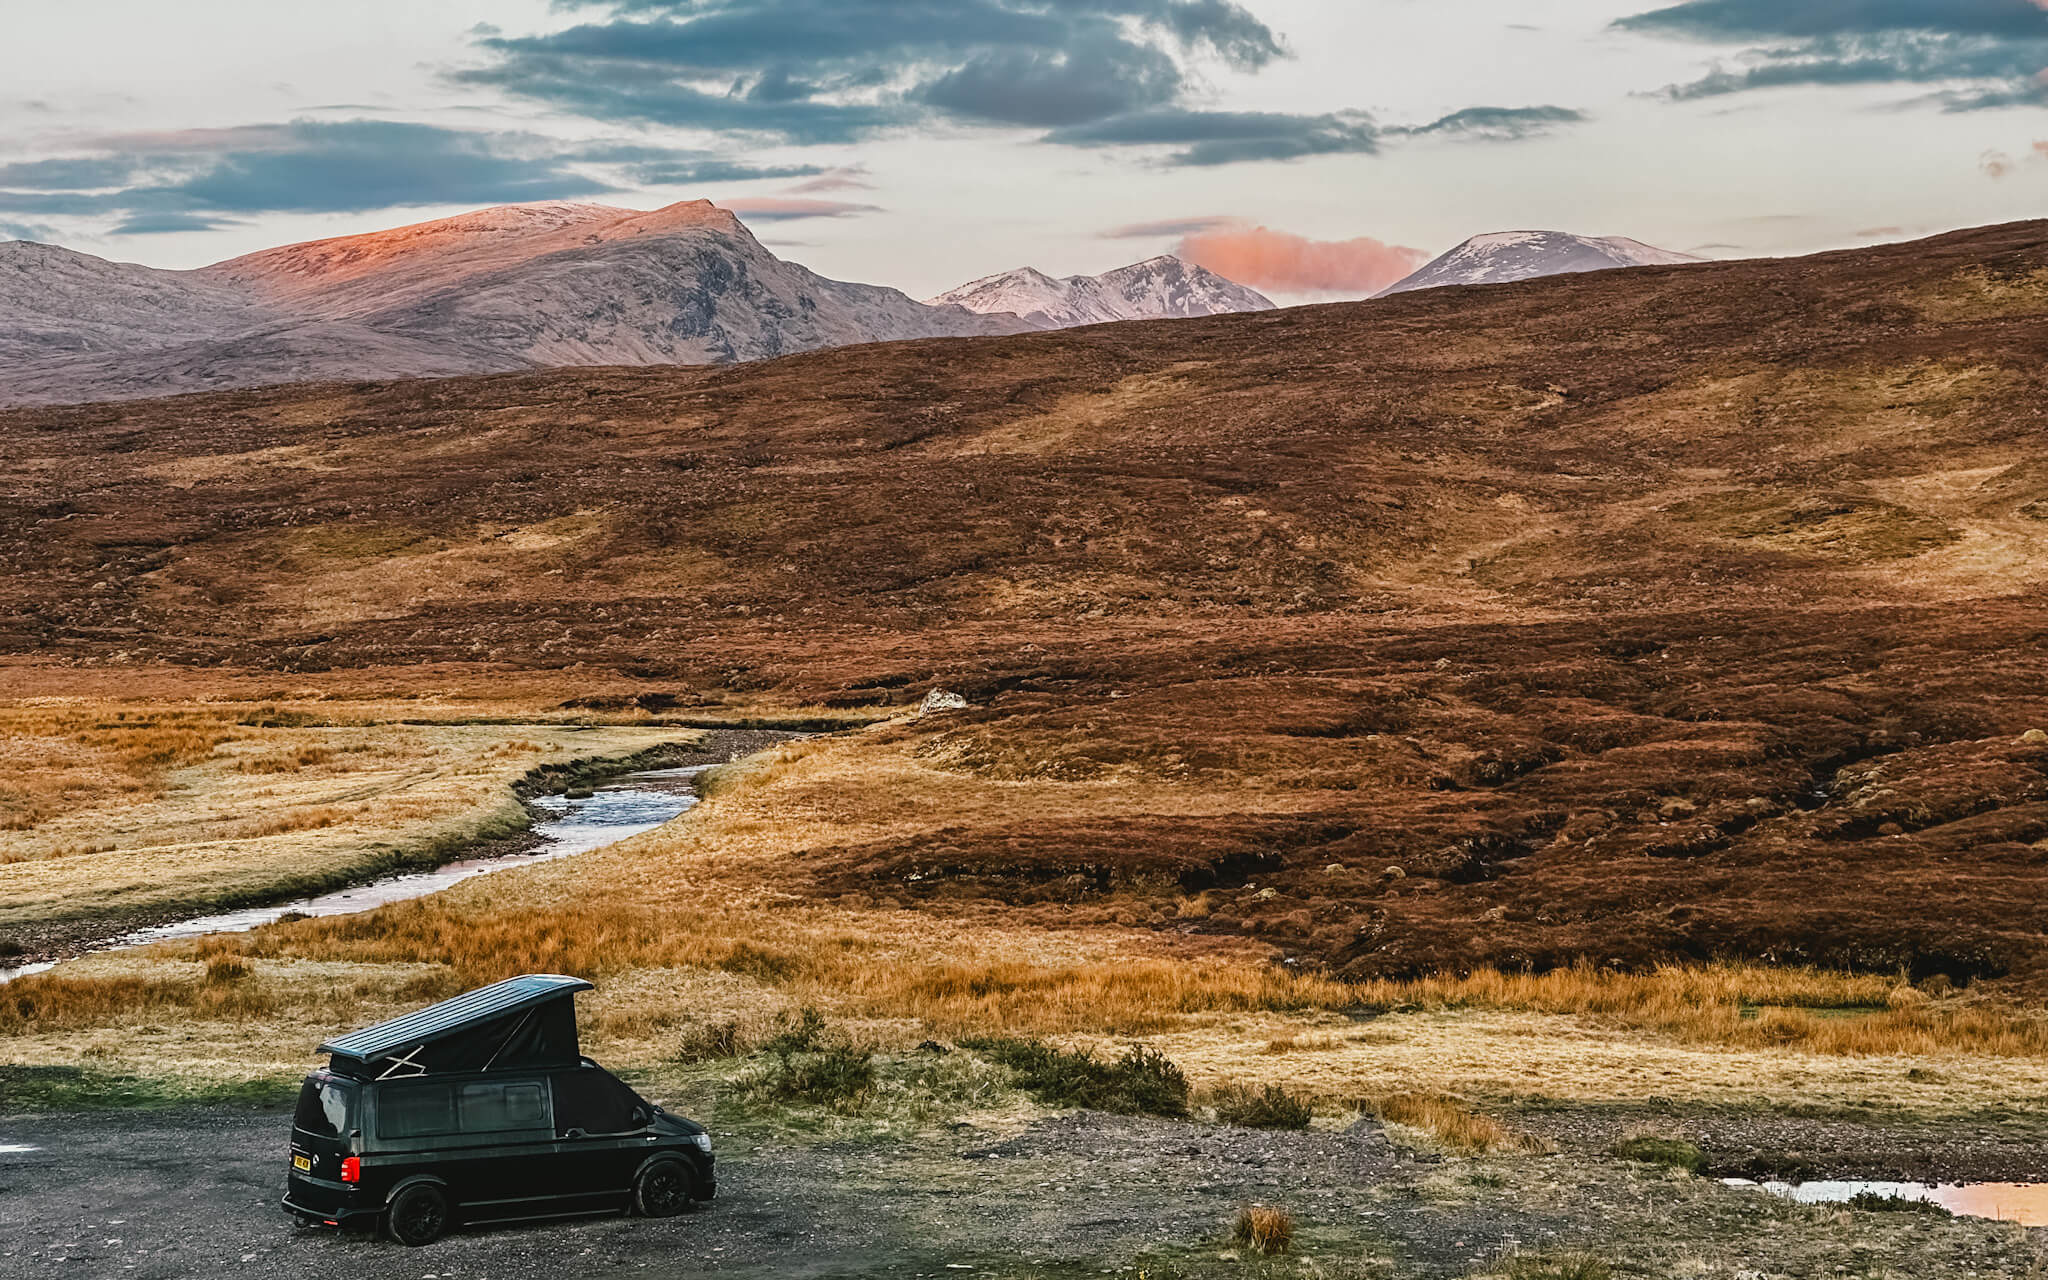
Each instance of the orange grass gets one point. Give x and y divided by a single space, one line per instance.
1745 1005
867 964
1453 1122
54 759
1263 1229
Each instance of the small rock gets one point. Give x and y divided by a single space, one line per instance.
941 700
2035 737
1394 873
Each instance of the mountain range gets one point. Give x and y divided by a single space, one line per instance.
565 284
505 289
1157 289
1507 256
509 288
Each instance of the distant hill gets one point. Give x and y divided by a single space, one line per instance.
510 288
1626 617
1525 255
1162 288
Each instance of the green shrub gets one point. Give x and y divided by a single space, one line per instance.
831 1077
803 1033
1142 1082
1676 1152
1269 1108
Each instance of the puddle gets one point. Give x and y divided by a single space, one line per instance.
617 811
2023 1202
16 1148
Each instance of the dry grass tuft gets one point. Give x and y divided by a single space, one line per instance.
317 818
1269 1107
290 760
1264 1229
1452 1123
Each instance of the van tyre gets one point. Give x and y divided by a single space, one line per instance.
418 1215
662 1190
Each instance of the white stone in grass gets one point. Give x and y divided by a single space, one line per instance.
941 700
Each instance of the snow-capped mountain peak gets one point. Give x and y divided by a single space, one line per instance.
1505 256
1159 288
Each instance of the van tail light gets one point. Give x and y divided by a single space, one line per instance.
351 1169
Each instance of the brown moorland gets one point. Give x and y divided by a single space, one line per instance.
1673 614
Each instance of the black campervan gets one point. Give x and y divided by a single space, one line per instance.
483 1109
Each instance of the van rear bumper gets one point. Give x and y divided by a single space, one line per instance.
316 1200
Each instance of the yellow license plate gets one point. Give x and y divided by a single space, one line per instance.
304 1164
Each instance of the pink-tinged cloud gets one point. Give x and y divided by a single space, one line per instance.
790 208
1995 164
848 178
1267 259
1167 227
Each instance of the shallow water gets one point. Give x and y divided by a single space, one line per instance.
2023 1202
617 811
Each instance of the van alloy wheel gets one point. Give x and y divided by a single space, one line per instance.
662 1190
418 1216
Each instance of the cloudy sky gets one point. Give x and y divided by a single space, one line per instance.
1312 148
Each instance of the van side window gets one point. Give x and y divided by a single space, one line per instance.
593 1100
491 1107
415 1110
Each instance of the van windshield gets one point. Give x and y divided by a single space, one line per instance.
324 1108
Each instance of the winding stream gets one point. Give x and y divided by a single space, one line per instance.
616 811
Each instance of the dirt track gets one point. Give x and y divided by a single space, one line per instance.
194 1192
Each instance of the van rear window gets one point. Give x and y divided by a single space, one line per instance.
326 1108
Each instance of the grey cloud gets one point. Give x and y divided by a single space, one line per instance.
1033 87
1170 227
1745 20
187 180
38 231
1230 137
667 166
829 71
2001 45
1895 58
1497 124
154 224
69 173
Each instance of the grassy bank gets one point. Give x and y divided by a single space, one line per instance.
115 813
710 922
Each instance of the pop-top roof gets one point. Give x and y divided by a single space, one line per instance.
468 1011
